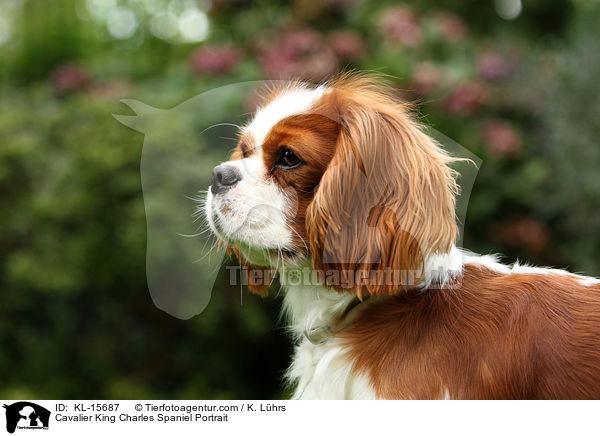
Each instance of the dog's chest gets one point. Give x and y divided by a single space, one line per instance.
323 371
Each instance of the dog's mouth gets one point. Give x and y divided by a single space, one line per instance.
266 256
271 257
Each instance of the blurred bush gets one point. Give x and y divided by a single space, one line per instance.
513 82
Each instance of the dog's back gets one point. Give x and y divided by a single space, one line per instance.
529 334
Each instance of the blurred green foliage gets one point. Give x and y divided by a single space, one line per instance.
76 319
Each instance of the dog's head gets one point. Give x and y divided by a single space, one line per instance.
340 175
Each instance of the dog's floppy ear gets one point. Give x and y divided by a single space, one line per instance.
257 278
387 198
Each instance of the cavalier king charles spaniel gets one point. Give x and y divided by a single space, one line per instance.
338 189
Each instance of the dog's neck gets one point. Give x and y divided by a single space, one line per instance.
309 305
308 309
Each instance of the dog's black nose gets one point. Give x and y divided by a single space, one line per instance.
224 177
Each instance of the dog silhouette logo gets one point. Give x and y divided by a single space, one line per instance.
26 415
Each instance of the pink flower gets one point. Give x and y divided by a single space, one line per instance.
214 59
111 90
501 139
465 100
399 24
302 41
319 66
450 26
347 45
298 54
494 66
69 78
279 62
425 78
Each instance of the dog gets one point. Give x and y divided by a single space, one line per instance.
338 188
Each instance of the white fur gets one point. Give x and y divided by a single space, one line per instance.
323 372
320 371
294 100
492 262
308 305
441 268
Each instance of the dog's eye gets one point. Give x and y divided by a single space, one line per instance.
288 159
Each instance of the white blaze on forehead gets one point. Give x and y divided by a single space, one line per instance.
290 102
